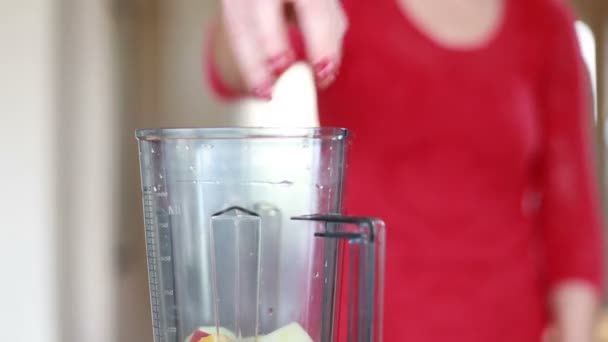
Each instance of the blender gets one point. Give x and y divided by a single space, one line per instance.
246 240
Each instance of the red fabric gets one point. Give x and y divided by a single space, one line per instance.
480 162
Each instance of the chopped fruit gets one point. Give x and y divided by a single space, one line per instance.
213 338
198 335
202 333
292 332
221 331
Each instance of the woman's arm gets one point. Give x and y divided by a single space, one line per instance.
572 224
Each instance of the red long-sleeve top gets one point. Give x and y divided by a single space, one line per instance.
479 159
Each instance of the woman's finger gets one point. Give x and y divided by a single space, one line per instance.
271 27
323 24
240 24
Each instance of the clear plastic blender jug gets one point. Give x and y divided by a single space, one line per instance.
246 241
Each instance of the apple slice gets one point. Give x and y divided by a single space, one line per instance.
197 336
222 332
292 332
205 332
213 338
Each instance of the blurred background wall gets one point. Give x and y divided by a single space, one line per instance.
76 78
28 172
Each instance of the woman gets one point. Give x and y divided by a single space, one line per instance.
472 140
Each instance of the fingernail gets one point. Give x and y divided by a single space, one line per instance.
324 83
325 71
281 62
263 92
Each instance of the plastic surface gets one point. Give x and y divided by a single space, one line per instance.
190 174
227 260
354 302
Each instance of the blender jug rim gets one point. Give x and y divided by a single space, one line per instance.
155 134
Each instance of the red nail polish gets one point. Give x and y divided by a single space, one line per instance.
263 92
325 71
281 62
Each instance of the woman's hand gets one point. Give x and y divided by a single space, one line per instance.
574 306
256 40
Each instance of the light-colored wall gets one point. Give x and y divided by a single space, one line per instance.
57 213
28 206
87 129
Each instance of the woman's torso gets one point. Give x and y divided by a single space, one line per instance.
445 145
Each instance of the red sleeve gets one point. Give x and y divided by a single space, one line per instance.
217 86
571 217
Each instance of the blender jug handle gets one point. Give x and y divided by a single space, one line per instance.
355 304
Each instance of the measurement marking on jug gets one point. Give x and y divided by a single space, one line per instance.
153 275
157 217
